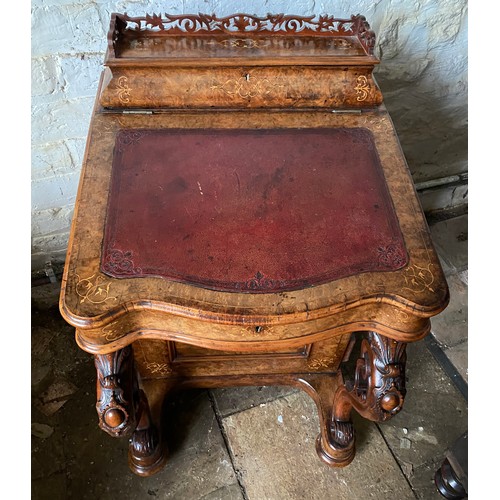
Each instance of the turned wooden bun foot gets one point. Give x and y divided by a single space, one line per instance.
334 457
147 454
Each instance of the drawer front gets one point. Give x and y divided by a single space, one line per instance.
160 359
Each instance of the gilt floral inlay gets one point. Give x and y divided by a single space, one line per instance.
419 279
241 43
94 289
123 90
398 315
111 332
362 88
247 87
318 364
158 368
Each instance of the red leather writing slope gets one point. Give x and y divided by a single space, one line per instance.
249 210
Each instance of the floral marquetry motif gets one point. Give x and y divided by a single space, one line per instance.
94 289
123 90
320 364
156 368
419 279
111 332
247 87
362 88
240 43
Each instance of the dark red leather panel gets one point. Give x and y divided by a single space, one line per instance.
249 210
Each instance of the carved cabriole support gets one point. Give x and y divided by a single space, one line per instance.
379 384
147 454
377 393
116 392
123 410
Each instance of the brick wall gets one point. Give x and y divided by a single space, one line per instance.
423 46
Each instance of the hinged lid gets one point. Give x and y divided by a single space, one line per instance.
250 211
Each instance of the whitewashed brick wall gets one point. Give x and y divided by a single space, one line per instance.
423 75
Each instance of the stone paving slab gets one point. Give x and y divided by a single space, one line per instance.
235 399
450 328
450 238
231 492
422 480
459 356
51 487
273 449
95 464
464 276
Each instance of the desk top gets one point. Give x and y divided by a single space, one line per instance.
403 288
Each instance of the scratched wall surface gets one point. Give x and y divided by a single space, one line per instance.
423 75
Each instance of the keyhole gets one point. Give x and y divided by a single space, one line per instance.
258 329
247 77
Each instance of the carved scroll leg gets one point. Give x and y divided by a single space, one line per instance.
116 392
377 393
147 453
123 410
335 443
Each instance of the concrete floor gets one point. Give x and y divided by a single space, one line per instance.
251 443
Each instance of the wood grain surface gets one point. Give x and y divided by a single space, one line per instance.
396 303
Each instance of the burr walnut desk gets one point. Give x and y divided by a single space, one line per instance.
244 212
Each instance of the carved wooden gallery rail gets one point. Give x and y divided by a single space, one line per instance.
245 213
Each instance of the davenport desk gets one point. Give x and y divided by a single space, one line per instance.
245 216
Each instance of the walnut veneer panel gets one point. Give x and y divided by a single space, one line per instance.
159 359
